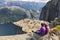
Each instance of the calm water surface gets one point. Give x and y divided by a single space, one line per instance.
9 29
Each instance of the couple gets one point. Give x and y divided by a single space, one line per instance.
43 30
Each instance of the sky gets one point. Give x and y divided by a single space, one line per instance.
30 0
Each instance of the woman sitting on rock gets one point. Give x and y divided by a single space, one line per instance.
43 30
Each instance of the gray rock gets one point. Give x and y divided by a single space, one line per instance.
46 37
51 11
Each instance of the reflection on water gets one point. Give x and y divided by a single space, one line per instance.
10 29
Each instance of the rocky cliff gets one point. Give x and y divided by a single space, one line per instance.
31 26
50 11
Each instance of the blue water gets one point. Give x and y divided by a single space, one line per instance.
9 29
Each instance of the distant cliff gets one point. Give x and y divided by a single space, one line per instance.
12 13
50 11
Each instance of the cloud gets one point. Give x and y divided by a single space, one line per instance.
44 0
11 0
30 0
36 0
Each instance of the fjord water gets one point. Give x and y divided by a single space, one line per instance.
9 29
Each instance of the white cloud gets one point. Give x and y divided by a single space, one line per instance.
30 0
10 0
36 0
44 0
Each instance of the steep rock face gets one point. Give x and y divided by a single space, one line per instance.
51 11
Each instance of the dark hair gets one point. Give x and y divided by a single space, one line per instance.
42 24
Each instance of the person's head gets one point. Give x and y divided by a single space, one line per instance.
43 24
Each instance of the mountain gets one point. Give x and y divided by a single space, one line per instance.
24 4
12 13
51 11
30 6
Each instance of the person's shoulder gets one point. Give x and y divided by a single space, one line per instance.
43 28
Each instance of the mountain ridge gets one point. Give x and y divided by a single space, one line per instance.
25 5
